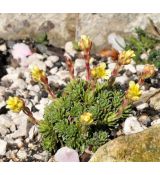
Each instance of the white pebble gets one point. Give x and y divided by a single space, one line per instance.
3 147
142 106
54 59
155 122
132 125
66 154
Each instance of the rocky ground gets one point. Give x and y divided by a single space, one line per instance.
19 139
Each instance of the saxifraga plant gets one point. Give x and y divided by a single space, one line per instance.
83 115
62 126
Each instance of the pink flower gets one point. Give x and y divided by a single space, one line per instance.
66 154
20 51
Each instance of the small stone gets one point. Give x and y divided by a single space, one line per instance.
63 74
20 51
6 121
131 126
35 56
66 154
142 106
22 155
3 48
49 63
144 56
111 66
131 68
69 48
79 66
42 48
54 59
22 129
19 143
3 130
33 132
54 70
139 68
19 83
38 63
145 120
155 102
42 156
3 147
155 122
122 79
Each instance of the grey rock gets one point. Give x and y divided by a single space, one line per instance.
42 48
3 147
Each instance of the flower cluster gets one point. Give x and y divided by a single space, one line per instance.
100 72
125 57
133 92
39 76
86 118
85 43
15 104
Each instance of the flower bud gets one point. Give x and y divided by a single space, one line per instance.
85 43
125 57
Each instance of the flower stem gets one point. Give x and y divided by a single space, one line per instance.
49 90
27 111
87 59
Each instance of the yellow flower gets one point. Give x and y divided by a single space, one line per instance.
133 92
125 57
15 104
101 72
37 74
85 43
148 71
86 118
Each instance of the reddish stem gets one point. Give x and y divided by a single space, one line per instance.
87 59
27 111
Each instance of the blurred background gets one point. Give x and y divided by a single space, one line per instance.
63 27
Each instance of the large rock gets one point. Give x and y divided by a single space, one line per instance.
66 27
140 147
